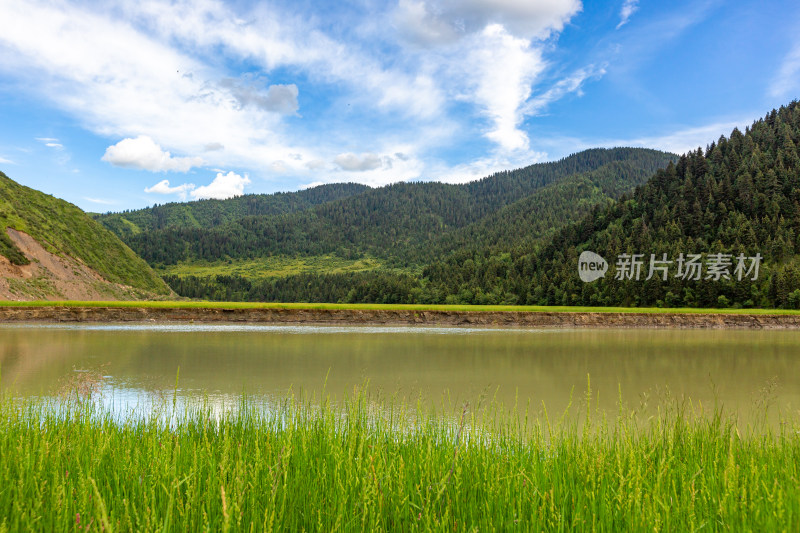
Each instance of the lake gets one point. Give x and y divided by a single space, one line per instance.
132 364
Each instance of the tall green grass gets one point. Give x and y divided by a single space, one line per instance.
367 464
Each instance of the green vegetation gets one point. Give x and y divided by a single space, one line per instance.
163 304
375 464
407 223
739 195
274 266
210 213
63 228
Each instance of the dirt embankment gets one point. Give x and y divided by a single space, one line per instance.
399 317
52 277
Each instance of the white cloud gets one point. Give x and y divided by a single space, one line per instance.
3 160
482 167
374 168
679 141
143 153
629 7
51 142
355 163
121 82
503 43
315 164
787 80
570 84
505 68
278 167
438 21
272 40
124 72
686 139
162 187
224 186
276 98
100 201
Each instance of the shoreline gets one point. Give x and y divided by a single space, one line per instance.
56 313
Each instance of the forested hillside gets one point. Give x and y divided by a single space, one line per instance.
405 226
741 195
410 223
63 229
210 213
737 198
540 214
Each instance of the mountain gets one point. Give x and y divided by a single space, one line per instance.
540 214
374 245
405 224
738 197
210 213
51 249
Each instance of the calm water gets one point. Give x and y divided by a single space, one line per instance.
134 363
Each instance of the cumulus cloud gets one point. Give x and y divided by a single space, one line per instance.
503 41
358 163
224 186
315 164
276 98
438 21
213 147
143 153
629 7
163 187
124 71
507 67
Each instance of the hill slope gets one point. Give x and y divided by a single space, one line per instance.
404 223
373 246
210 213
48 245
739 196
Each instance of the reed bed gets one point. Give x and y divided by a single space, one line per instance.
378 464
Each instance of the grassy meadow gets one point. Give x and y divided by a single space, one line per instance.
274 266
369 463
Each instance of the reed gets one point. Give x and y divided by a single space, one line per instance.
367 463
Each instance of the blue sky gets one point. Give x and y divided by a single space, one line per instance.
118 105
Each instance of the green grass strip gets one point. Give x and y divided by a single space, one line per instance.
397 307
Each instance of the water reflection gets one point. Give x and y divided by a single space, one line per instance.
139 363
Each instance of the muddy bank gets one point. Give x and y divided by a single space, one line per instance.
400 317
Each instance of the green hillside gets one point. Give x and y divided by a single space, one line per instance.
540 214
64 229
373 246
210 213
738 197
741 195
408 223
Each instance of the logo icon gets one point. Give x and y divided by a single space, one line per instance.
591 266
